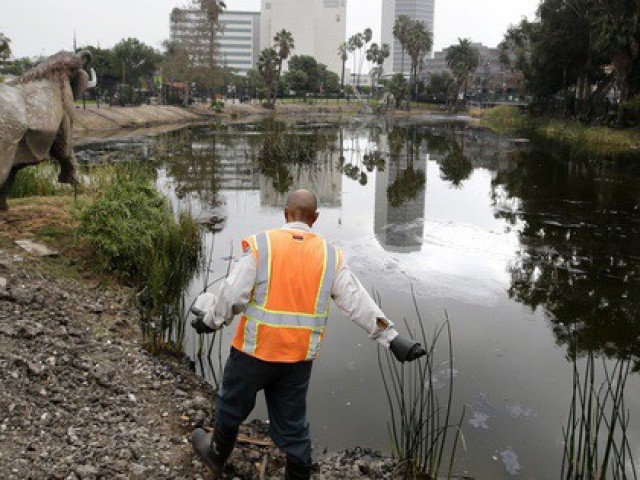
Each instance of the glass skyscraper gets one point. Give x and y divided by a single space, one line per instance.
422 10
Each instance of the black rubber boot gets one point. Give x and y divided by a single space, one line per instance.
297 471
212 449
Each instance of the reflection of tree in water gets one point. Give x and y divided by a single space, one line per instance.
404 149
192 162
283 148
406 186
580 257
456 167
362 162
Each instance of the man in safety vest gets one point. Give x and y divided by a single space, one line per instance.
282 286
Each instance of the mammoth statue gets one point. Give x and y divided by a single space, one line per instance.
36 116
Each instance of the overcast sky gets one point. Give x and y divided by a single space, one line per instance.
42 27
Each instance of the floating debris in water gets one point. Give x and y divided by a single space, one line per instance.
518 411
479 420
510 461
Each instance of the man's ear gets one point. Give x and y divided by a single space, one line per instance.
315 217
286 214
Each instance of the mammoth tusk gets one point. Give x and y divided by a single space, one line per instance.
93 80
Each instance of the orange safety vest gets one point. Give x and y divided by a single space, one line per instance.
287 313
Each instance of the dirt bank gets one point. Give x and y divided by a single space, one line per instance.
103 122
115 118
82 398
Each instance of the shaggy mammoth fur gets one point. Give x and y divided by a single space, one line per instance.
36 117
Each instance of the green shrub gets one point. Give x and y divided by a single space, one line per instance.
133 233
218 106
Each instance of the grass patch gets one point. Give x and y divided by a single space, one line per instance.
600 141
501 119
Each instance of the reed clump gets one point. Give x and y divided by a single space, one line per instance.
596 436
423 432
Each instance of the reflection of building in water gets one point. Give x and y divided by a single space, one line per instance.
234 164
322 177
400 228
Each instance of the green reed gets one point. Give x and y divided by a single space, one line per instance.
134 234
596 442
38 181
421 426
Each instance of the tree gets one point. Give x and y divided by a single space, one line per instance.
176 67
463 60
399 88
5 47
255 82
441 87
135 62
617 32
400 32
298 81
268 66
377 56
136 59
565 54
343 53
355 44
196 53
206 60
316 79
109 71
418 42
283 44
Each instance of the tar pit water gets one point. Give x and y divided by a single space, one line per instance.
533 252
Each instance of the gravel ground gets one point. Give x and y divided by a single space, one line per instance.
81 398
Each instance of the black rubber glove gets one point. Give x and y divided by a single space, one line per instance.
406 350
201 327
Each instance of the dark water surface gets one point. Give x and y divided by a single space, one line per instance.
534 254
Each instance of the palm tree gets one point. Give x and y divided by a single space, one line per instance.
355 43
400 30
377 56
463 59
283 45
419 41
268 66
343 53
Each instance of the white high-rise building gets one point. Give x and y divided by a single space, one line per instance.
422 10
318 27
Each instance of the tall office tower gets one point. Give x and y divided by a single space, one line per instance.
237 41
318 27
422 10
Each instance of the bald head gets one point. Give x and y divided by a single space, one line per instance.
302 206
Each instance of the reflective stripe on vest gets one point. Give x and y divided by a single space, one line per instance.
257 315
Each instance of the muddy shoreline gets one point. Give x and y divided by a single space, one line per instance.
107 122
82 398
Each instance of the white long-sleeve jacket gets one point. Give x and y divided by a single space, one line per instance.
347 292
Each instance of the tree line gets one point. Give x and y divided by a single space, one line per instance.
580 58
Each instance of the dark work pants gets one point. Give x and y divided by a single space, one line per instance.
285 389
